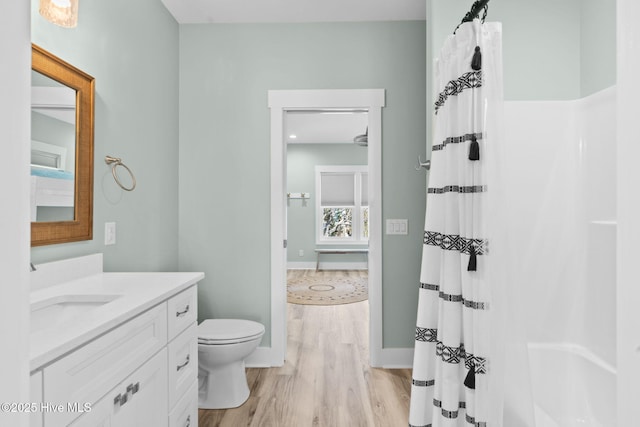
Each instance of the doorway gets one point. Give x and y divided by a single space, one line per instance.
280 101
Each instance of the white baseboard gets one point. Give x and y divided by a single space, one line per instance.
260 358
301 265
394 358
292 265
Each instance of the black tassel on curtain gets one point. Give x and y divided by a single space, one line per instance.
470 380
473 262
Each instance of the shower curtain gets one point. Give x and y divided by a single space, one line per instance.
458 368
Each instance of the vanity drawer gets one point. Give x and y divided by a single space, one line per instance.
182 311
185 414
85 375
183 363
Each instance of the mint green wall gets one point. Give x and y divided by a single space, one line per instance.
552 50
225 73
131 48
301 178
597 45
541 42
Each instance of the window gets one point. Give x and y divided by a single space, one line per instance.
342 208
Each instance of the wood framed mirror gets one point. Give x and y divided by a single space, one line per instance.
61 171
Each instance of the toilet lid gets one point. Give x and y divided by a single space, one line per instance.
228 331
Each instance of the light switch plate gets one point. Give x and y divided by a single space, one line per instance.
109 233
398 226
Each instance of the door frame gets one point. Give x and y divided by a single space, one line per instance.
280 101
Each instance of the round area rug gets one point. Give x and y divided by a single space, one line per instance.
327 290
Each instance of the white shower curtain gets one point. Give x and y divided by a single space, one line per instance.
460 349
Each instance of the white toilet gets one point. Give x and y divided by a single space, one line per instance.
223 344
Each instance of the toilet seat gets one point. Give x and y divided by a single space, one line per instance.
228 331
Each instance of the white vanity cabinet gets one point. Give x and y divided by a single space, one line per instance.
141 373
183 359
139 400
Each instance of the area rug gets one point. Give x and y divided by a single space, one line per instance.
327 290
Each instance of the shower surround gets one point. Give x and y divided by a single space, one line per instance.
560 161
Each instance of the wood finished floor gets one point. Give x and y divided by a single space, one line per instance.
326 380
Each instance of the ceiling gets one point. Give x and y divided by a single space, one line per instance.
324 126
52 98
254 11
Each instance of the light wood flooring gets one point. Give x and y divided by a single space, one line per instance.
326 380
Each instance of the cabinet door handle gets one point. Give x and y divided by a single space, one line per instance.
182 313
186 362
188 423
133 388
120 399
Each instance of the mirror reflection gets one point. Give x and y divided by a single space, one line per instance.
61 150
53 148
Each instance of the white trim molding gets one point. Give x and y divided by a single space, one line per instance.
396 358
301 265
279 101
260 358
627 211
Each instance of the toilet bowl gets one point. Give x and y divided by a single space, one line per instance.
223 344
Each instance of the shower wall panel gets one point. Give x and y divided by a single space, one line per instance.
542 166
559 164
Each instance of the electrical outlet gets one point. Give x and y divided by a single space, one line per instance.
109 233
397 226
301 252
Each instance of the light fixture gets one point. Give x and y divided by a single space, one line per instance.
362 140
60 12
292 136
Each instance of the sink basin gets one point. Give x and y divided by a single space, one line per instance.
59 309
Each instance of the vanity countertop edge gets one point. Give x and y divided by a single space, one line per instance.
137 292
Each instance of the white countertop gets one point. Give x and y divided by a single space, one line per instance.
137 293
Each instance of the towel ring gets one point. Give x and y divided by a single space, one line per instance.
115 162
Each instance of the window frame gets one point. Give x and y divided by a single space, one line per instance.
357 231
